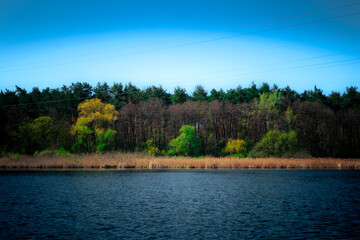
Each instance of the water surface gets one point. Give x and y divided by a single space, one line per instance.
180 204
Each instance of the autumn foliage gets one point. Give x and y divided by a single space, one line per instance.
235 146
92 128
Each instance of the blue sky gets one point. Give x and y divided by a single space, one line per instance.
216 43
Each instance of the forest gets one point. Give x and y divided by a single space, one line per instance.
257 121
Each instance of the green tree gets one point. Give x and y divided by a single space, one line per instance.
265 88
102 91
93 126
200 94
84 137
275 143
43 131
179 96
352 98
268 105
105 141
132 94
216 95
187 143
157 93
39 134
290 117
152 149
117 95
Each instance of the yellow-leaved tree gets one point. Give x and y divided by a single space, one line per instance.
94 127
236 147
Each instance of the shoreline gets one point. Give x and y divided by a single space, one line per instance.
141 161
165 169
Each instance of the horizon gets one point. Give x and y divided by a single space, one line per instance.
221 45
189 93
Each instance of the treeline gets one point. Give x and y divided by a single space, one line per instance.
253 121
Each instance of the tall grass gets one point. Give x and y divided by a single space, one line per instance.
144 161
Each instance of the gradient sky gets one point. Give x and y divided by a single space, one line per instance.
214 43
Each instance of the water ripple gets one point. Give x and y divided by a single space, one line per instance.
180 204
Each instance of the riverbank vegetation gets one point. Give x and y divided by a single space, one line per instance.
234 125
53 160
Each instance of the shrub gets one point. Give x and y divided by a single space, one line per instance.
15 156
256 154
187 144
276 143
152 149
240 155
46 153
62 152
36 153
235 146
50 153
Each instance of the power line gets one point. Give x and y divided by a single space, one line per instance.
51 101
288 61
311 66
304 42
290 17
276 70
295 60
234 28
318 40
274 29
193 43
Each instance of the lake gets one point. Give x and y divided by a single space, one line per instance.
180 204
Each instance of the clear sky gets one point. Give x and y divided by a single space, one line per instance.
214 43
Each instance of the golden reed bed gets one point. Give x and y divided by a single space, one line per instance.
143 161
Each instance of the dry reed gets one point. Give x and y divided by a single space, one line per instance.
143 161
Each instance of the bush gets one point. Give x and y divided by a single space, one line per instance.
36 153
235 146
62 152
45 153
240 155
50 153
15 156
256 154
187 144
170 152
276 143
152 149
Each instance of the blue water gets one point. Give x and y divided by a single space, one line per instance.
180 204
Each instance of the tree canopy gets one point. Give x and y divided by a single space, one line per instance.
123 117
187 143
93 125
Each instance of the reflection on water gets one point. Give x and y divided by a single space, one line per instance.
180 204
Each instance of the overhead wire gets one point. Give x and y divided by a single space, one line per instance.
272 64
311 66
239 27
192 43
281 62
50 101
342 62
244 34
